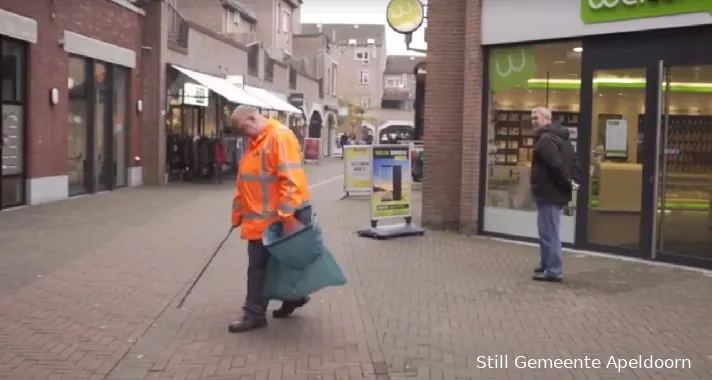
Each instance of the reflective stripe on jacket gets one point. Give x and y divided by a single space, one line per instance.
271 183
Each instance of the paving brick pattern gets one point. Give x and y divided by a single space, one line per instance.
418 308
82 280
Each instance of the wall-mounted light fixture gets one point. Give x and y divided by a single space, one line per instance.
139 105
54 96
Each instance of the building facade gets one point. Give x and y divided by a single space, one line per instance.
71 82
318 58
632 84
130 78
361 55
235 52
398 90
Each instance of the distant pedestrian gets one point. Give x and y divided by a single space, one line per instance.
555 174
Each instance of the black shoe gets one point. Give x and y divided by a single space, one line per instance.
246 325
538 270
288 307
547 278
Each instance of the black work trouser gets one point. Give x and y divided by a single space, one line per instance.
255 304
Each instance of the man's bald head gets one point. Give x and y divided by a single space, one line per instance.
249 120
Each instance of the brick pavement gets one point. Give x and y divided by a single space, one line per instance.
420 308
82 280
426 308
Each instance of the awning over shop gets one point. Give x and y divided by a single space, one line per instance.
224 88
274 101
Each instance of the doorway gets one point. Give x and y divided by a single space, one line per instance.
12 118
647 101
97 155
683 207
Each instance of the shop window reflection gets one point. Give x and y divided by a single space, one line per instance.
77 137
522 78
101 177
12 130
13 67
120 124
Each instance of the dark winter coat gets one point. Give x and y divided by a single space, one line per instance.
554 165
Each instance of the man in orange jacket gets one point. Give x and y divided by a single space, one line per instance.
271 185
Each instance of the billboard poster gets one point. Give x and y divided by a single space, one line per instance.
311 149
390 181
357 168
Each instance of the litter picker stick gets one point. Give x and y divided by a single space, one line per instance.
205 267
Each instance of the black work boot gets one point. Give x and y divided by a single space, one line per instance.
288 307
246 325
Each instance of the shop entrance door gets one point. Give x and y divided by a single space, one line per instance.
683 222
649 146
616 183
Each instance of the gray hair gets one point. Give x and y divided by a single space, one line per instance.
244 110
543 112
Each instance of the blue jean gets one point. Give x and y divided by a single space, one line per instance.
548 222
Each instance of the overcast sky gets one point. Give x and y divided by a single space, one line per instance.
358 12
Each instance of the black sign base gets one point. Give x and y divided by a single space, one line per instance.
391 231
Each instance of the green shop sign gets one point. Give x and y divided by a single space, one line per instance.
511 67
599 11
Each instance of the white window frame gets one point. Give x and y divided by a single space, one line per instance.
334 76
286 21
364 77
232 20
394 82
362 55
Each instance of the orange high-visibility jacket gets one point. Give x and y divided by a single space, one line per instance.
271 183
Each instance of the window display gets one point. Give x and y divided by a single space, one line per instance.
120 150
12 137
77 136
522 78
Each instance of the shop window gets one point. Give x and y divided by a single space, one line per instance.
13 67
120 125
12 130
78 112
522 78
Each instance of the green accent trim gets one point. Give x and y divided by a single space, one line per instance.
700 205
577 86
599 11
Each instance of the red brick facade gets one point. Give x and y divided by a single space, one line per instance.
47 125
453 115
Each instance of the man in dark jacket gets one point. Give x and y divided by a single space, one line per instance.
554 176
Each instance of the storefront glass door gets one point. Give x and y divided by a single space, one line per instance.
683 225
616 170
12 119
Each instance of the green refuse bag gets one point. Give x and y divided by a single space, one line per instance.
300 263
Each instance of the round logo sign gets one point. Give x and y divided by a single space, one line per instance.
405 16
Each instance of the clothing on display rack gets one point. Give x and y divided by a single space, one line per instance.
234 148
198 156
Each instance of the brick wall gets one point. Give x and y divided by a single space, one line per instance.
452 115
47 135
153 144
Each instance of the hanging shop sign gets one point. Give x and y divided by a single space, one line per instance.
390 182
405 16
311 149
195 95
357 169
600 11
296 99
